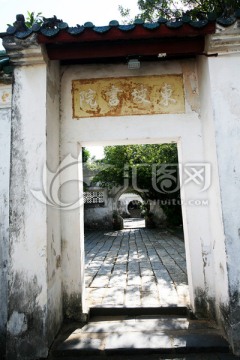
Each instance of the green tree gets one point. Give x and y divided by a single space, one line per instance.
136 166
85 155
151 10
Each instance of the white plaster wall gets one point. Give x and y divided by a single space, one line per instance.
224 80
55 313
35 293
99 217
214 251
5 138
27 302
185 129
96 218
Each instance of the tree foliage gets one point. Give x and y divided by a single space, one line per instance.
135 166
151 10
33 18
85 155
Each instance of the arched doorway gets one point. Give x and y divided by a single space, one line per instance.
130 206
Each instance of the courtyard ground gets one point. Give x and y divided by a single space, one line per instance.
135 267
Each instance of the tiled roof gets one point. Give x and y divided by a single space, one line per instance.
51 27
179 38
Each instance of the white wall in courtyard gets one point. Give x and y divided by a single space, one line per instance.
34 272
221 111
5 140
99 216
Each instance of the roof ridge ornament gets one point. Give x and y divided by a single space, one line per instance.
19 24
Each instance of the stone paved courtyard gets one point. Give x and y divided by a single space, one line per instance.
135 268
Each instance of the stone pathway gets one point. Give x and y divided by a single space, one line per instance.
135 268
133 223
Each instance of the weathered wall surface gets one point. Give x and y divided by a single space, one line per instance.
34 293
98 206
184 128
5 139
214 252
55 313
99 217
27 291
224 86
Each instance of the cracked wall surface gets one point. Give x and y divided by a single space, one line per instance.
5 138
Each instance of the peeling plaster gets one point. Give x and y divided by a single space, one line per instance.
18 170
5 140
17 324
27 292
191 86
25 326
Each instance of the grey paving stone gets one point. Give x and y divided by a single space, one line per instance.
152 287
162 275
88 343
126 253
118 281
100 281
88 280
146 272
134 280
148 280
133 296
113 297
120 268
146 264
136 341
95 264
105 269
180 278
134 267
157 265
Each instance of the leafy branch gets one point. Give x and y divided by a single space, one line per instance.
33 18
151 10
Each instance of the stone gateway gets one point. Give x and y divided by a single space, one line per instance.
71 88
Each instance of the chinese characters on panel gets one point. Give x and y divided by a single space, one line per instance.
128 96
